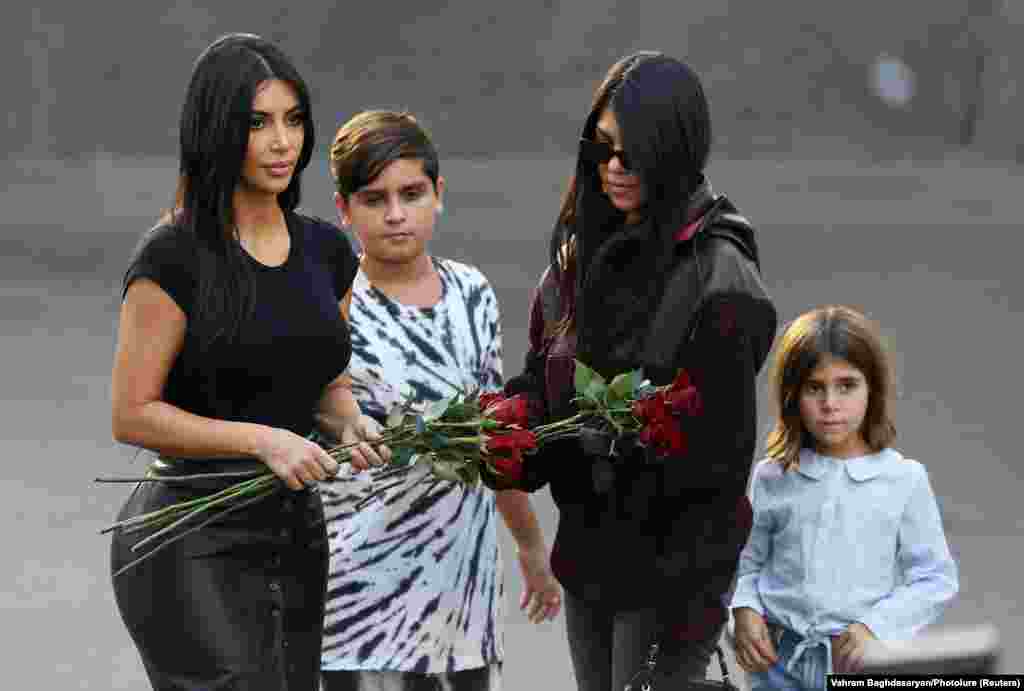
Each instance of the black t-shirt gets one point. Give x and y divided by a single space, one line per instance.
293 345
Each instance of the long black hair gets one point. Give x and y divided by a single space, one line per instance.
214 137
663 115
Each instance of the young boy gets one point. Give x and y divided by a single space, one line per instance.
415 576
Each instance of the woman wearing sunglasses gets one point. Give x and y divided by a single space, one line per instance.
648 269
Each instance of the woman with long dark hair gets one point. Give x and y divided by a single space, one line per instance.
232 343
648 269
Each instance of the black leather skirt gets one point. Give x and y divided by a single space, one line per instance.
237 605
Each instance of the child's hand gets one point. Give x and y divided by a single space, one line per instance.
365 430
754 649
848 649
541 592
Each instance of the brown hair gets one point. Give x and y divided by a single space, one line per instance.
840 332
371 140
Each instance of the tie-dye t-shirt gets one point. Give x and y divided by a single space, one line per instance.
415 576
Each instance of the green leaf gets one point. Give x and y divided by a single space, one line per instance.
435 410
469 474
617 390
589 384
585 403
461 412
596 390
445 471
616 424
586 379
402 455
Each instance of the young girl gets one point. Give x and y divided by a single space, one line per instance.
847 543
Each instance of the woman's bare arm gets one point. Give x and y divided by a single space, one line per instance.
340 414
150 337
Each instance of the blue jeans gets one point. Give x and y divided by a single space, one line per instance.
808 674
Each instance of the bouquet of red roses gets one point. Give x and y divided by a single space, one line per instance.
471 438
614 418
462 439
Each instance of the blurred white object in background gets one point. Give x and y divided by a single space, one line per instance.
893 80
950 651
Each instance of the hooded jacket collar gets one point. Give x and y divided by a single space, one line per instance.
625 281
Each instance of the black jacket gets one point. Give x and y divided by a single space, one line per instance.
674 528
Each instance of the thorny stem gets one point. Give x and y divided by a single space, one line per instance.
471 424
269 485
163 545
252 488
186 478
233 490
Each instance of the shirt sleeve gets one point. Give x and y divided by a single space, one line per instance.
930 575
165 257
531 381
755 554
491 367
345 262
531 384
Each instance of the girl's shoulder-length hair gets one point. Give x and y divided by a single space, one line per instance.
834 331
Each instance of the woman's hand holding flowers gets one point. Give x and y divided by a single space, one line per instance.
297 461
474 437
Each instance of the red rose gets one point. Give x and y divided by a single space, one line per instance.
682 380
682 396
509 411
685 401
666 438
489 399
510 466
513 441
647 435
653 409
674 442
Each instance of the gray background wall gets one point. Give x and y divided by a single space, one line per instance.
492 77
911 213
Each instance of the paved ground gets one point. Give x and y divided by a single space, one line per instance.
931 251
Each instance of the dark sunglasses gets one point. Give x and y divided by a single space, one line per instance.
597 153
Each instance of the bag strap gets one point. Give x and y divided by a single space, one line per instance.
645 676
721 664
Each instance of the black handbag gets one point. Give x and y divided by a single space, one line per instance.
643 680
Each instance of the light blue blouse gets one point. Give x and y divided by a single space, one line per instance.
841 541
